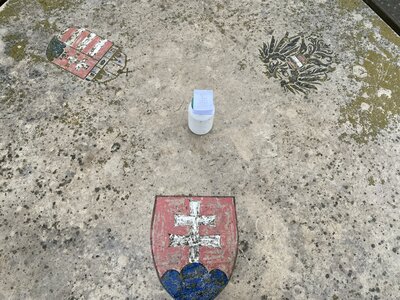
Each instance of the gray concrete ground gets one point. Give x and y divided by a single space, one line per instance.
316 177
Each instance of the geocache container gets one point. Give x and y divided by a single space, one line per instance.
201 111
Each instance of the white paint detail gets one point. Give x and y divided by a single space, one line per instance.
97 47
86 41
296 61
81 64
74 36
193 240
72 60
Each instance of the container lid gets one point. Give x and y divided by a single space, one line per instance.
203 102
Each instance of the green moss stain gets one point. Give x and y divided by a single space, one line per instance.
16 9
373 109
99 76
70 118
386 31
371 180
11 10
350 5
15 46
11 97
110 130
46 25
49 5
378 101
37 58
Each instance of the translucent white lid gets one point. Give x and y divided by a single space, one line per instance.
203 102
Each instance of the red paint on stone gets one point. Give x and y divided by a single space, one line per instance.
67 34
166 257
89 47
80 38
77 60
103 50
65 62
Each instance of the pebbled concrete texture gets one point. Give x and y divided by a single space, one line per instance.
316 177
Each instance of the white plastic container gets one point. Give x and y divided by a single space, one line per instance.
201 112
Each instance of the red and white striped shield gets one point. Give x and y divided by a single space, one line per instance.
194 235
86 55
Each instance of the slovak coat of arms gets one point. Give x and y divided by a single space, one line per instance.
299 62
194 244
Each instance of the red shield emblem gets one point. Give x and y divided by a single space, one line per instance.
194 244
86 55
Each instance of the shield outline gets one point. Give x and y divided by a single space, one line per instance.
188 196
97 65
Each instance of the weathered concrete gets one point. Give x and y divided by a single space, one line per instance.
316 177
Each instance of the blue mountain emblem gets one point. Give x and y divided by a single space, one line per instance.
194 282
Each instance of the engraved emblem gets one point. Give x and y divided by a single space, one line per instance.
87 55
299 62
194 244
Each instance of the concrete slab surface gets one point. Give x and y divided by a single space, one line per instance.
316 176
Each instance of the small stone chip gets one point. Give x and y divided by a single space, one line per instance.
115 147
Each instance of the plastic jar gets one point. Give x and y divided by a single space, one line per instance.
199 124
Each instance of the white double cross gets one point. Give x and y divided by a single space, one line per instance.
193 240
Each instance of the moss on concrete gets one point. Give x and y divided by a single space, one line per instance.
349 4
371 180
46 25
14 8
11 10
383 75
11 96
37 58
99 76
378 101
386 31
49 5
70 118
15 46
380 97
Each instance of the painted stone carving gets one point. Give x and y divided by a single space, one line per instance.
86 55
299 62
194 244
